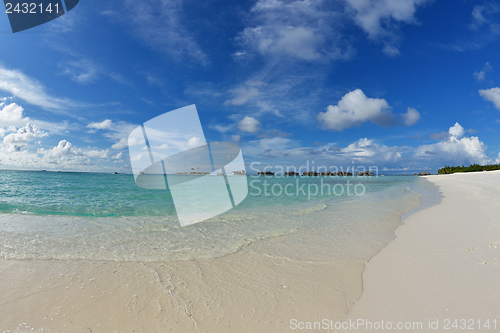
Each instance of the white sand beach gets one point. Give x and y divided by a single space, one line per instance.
443 265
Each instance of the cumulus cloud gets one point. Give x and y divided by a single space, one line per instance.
13 115
379 19
66 149
456 148
23 136
64 156
235 138
10 113
354 109
456 132
106 124
368 150
480 76
249 124
491 95
195 142
411 117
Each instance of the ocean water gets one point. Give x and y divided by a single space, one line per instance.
51 215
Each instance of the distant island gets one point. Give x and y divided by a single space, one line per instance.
472 168
315 173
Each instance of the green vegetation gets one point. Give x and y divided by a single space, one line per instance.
472 168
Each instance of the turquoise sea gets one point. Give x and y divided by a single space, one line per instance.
59 215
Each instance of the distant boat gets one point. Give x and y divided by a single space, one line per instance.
116 173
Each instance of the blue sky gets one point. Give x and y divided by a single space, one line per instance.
404 85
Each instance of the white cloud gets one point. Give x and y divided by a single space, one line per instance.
106 124
235 138
116 131
117 156
42 159
97 153
222 129
163 146
64 148
368 151
456 148
484 28
10 113
411 117
30 90
67 149
303 30
391 50
379 17
492 95
13 115
480 76
481 13
456 132
298 42
244 93
136 158
122 144
81 71
249 124
159 24
195 142
354 109
23 136
497 161
268 146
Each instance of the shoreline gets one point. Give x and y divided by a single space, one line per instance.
261 287
442 265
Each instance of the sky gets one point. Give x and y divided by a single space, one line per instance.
403 85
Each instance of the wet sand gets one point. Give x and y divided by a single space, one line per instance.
244 292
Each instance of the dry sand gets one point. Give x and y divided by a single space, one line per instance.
444 264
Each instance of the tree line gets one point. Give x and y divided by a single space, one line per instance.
472 168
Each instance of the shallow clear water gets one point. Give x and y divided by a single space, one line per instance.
48 215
